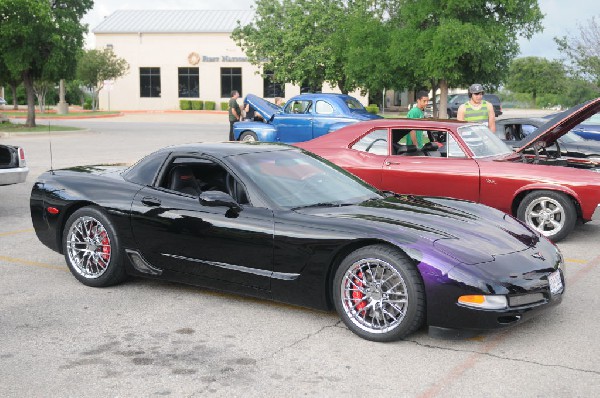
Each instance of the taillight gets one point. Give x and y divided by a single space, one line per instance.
21 154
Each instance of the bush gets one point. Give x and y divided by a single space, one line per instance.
209 105
185 105
197 105
224 106
373 108
87 105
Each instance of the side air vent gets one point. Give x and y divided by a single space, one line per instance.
140 263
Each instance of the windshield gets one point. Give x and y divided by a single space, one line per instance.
482 142
571 138
594 119
294 179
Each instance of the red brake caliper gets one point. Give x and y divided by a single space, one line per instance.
105 246
356 295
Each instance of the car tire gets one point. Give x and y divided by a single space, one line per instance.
91 248
248 136
551 213
378 293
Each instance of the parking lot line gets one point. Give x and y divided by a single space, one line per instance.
31 263
20 231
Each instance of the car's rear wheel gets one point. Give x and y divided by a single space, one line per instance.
551 213
91 248
379 294
248 136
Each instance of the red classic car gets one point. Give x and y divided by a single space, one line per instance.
467 161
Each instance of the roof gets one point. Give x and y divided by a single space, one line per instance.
174 21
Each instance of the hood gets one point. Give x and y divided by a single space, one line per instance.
362 116
263 107
469 232
560 124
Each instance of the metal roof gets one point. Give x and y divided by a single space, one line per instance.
174 21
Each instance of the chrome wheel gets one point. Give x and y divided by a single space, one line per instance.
248 136
88 247
374 295
546 215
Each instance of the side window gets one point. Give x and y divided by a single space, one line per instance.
298 106
323 108
376 142
451 149
192 176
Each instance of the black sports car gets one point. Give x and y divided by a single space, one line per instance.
274 221
578 152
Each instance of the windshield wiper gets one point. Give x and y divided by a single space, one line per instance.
323 204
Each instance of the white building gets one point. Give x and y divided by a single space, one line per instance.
175 55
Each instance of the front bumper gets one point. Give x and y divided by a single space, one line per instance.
13 176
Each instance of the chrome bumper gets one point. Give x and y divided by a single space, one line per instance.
596 214
13 176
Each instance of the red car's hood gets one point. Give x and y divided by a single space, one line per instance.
560 125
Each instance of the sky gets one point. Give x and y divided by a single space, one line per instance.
562 17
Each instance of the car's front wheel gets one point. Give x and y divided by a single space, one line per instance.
379 294
91 248
551 213
248 136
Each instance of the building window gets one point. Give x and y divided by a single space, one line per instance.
149 82
231 79
189 83
272 89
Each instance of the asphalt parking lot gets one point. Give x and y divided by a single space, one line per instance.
148 338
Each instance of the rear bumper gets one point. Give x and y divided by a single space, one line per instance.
596 214
13 176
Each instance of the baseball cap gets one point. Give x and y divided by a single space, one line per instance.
476 88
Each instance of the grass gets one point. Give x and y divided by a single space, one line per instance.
40 128
393 115
52 115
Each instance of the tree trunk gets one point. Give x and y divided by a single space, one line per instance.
13 88
534 99
434 88
443 111
28 83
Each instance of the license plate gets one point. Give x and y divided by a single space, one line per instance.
555 282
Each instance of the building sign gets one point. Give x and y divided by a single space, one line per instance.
224 58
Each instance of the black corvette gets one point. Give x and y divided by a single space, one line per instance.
277 222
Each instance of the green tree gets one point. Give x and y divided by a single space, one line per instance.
459 42
583 51
96 66
536 75
300 41
40 40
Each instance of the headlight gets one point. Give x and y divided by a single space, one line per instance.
484 302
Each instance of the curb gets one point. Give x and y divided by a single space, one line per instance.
5 134
66 117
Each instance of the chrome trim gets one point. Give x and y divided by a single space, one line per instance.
260 272
596 214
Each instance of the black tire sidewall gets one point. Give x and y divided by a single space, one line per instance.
565 202
415 314
115 272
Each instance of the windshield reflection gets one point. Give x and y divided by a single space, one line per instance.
482 142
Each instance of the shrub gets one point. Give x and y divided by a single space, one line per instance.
373 108
209 105
87 105
185 105
224 106
197 105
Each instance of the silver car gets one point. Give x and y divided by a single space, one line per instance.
2 101
13 167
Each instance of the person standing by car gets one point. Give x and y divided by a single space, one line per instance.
415 137
250 113
235 112
477 109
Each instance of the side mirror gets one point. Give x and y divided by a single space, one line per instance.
218 198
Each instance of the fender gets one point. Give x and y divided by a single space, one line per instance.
264 131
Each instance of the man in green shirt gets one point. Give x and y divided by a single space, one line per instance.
235 113
416 112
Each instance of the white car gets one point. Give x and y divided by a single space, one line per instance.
13 167
2 101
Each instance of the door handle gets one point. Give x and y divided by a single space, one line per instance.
388 163
151 201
